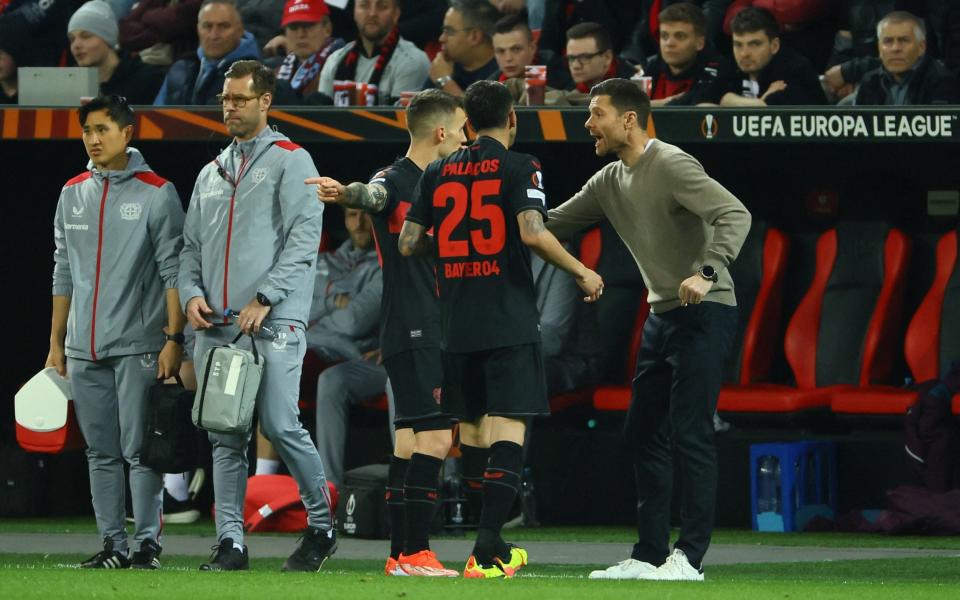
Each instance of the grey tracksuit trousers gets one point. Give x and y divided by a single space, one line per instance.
110 397
279 420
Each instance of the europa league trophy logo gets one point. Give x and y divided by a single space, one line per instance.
709 127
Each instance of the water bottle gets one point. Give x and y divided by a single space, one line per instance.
768 483
528 499
265 332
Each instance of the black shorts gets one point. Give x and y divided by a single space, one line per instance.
415 378
501 382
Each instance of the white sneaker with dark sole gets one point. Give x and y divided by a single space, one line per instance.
676 568
625 569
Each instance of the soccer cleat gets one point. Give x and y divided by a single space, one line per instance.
425 564
393 568
474 570
676 568
518 558
316 546
108 558
176 512
227 558
625 569
148 556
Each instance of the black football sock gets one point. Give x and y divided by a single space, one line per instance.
501 481
420 494
395 504
473 462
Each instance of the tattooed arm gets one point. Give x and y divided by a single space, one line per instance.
412 239
371 197
535 235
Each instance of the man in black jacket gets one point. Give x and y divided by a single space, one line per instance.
767 73
908 75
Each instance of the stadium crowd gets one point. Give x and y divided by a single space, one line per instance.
378 52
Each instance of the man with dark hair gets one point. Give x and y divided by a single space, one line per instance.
590 57
467 46
768 73
92 32
682 74
117 221
515 49
410 331
492 362
309 37
907 75
379 57
683 235
250 242
198 80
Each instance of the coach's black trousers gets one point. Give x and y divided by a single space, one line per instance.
678 377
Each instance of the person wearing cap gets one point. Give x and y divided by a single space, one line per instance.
380 57
93 32
310 42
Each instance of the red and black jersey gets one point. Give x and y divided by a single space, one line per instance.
471 199
409 315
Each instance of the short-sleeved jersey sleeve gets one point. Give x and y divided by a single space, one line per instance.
526 185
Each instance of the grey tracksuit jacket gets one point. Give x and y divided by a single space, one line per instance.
117 238
253 226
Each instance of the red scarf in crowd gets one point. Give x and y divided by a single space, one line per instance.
347 69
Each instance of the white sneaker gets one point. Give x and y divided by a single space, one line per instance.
625 569
676 568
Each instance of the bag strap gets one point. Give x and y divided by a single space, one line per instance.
203 391
179 381
277 504
253 342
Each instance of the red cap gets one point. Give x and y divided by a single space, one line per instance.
304 11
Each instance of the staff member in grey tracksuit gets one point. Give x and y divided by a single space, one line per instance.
117 234
250 243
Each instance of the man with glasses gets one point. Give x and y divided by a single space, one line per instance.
590 57
467 42
250 244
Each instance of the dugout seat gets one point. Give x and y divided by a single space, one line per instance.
845 331
931 342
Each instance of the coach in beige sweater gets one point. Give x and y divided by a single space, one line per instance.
683 229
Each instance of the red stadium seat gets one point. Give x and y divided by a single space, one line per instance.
843 334
931 342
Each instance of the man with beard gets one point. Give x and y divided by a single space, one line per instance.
467 41
250 243
377 66
684 235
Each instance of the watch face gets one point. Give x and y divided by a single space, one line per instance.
707 271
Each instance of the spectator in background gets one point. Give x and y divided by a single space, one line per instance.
683 74
767 72
197 80
261 18
467 42
379 57
617 17
515 48
806 26
309 35
159 31
643 40
39 24
533 8
12 50
908 76
92 31
590 57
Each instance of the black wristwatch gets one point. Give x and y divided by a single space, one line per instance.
708 273
263 299
176 338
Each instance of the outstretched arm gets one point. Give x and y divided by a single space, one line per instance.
371 197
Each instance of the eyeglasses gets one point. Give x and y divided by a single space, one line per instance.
583 58
448 31
238 101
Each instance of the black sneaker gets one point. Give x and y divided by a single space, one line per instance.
316 546
177 512
108 558
227 558
147 557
